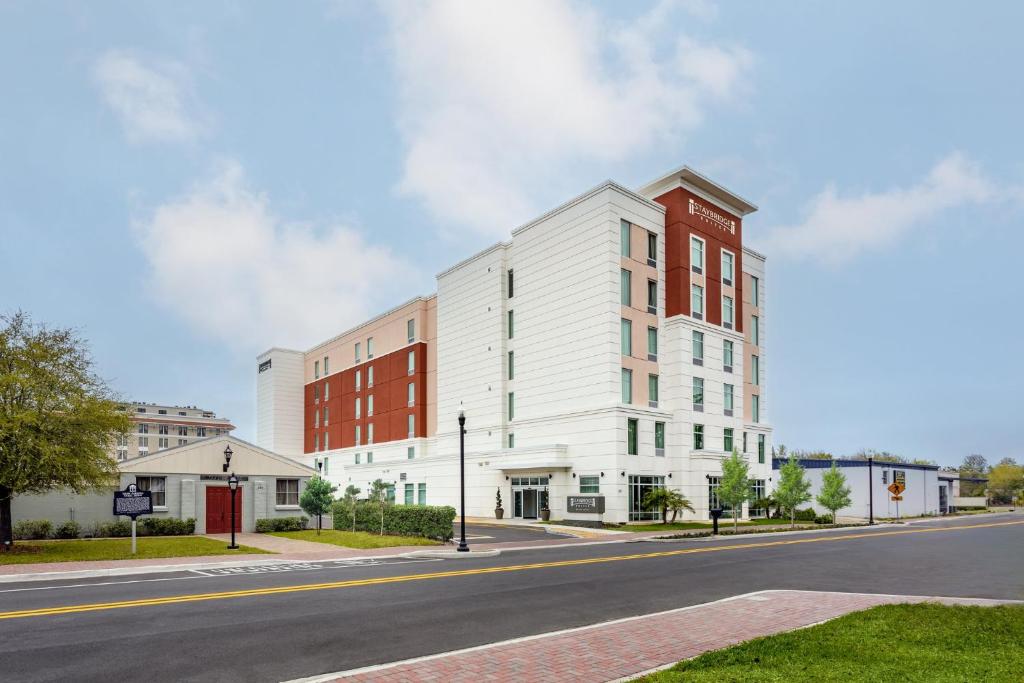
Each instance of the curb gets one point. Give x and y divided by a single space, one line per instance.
452 554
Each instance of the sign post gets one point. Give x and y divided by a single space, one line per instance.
131 503
896 489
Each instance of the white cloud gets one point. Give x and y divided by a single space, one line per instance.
223 261
500 100
153 99
837 229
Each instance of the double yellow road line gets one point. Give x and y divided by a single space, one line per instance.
224 595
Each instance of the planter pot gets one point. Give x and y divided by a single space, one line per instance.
545 515
499 513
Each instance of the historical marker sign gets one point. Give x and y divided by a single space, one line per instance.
585 504
132 502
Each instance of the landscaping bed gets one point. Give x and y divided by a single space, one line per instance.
728 531
354 539
924 642
27 552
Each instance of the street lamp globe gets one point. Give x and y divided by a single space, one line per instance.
233 482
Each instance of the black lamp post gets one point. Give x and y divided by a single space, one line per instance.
233 485
227 457
463 548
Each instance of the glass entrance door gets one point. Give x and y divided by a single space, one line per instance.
529 495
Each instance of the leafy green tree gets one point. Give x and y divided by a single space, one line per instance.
350 499
665 500
58 419
1005 480
379 497
734 488
316 499
835 494
793 488
974 466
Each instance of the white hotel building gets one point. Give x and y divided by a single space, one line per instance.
614 344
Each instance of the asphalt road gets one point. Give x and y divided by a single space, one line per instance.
322 617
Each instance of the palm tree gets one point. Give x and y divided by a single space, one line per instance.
666 500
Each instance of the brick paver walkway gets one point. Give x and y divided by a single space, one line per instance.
626 648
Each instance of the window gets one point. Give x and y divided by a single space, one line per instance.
162 429
652 248
639 487
410 491
182 442
511 440
410 330
511 405
122 441
157 487
510 282
411 393
359 435
511 325
143 442
652 343
698 348
369 433
744 442
727 355
755 371
422 493
696 254
327 441
412 426
288 492
624 238
755 291
200 431
358 359
697 301
359 407
590 484
369 348
327 464
359 379
357 458
369 457
755 408
369 406
627 385
698 437
727 268
123 455
757 490
652 391
727 440
327 416
659 439
162 443
511 365
632 445
760 448
326 370
727 312
755 331
162 411
698 393
627 337
327 390
411 362
316 393
652 296
316 369
727 398
369 377
143 428
625 286
316 441
410 453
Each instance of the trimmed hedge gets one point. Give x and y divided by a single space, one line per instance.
166 526
428 521
32 529
265 526
68 530
118 529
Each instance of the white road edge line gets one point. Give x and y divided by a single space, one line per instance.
324 678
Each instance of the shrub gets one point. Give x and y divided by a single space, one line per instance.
823 519
428 521
68 530
32 529
265 526
119 528
166 526
806 515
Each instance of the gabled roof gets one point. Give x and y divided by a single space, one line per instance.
170 460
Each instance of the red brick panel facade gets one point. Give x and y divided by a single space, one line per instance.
687 214
391 408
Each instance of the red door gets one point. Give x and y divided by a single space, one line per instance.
218 510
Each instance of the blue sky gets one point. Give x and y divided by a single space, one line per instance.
191 183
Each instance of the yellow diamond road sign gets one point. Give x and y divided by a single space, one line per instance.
896 488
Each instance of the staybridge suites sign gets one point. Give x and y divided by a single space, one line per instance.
711 216
587 504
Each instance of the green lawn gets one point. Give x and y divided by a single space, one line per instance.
354 539
930 643
26 552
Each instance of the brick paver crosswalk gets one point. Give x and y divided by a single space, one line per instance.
628 647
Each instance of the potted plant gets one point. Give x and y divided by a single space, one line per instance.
545 512
499 512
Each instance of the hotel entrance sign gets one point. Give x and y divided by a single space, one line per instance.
585 504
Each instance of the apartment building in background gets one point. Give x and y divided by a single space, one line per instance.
159 427
612 345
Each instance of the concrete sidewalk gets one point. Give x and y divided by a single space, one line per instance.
622 649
